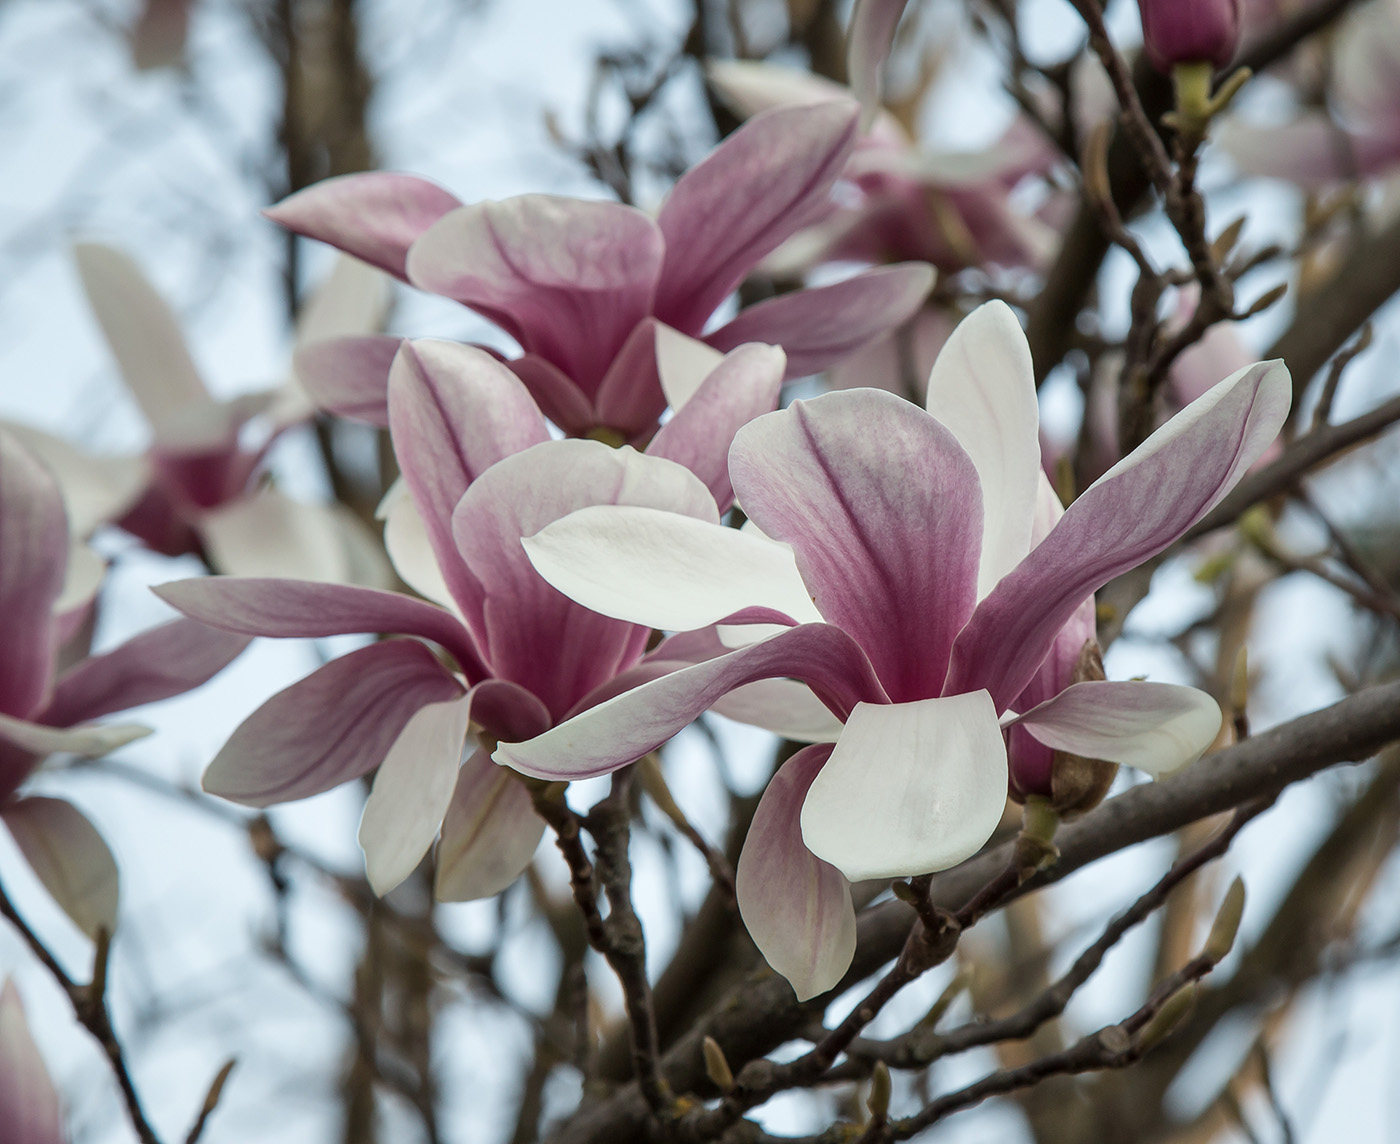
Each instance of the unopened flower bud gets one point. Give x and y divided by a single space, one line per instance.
716 1067
1190 31
1175 1009
1227 925
878 1102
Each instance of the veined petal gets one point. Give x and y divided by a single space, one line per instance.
28 1101
286 609
411 792
683 364
910 788
534 635
871 35
783 706
374 216
882 507
819 326
744 384
145 338
763 183
156 664
454 411
489 834
796 907
666 570
95 490
614 733
333 726
983 388
349 376
91 740
568 279
33 561
64 849
1156 727
1135 510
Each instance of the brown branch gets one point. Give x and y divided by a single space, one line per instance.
89 1004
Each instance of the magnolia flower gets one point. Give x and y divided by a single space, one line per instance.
906 594
952 209
28 1101
580 284
43 711
1360 139
1190 31
196 488
479 473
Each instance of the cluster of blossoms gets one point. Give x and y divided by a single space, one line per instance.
908 595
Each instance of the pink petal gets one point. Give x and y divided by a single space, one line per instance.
374 216
349 376
167 660
819 326
796 907
909 788
630 397
762 184
298 608
489 835
411 791
454 411
883 510
28 1101
744 385
33 560
1156 727
871 35
624 728
535 636
1135 510
96 490
333 726
559 399
568 279
64 849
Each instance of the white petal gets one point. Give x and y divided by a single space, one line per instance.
410 550
666 570
64 849
353 299
683 364
1156 727
91 740
489 834
412 791
910 788
81 579
783 706
983 388
269 534
95 489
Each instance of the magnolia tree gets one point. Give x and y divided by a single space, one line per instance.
746 600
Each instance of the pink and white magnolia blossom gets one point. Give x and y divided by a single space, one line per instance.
904 201
895 556
479 473
581 285
29 1109
196 489
1359 138
46 710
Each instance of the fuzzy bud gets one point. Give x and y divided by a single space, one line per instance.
1190 31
